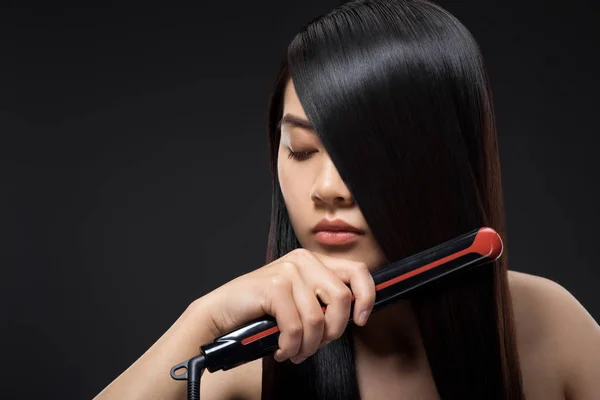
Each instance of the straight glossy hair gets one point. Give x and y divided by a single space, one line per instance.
398 95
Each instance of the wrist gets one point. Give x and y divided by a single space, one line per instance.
200 312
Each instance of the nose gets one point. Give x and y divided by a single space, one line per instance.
329 187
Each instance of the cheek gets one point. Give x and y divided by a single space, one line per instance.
290 184
295 190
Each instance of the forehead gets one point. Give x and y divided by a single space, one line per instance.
291 102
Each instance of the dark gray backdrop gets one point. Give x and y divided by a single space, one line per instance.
134 160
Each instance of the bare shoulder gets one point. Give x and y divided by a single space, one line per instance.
556 334
240 383
544 308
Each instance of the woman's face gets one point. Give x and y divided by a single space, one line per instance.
313 190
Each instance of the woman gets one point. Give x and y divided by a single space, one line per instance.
382 117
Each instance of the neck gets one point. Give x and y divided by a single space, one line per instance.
390 335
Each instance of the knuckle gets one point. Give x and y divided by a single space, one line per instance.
316 318
294 330
303 257
361 266
279 282
333 334
289 267
337 333
286 348
308 352
299 253
343 294
327 337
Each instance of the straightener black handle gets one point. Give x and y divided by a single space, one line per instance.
392 282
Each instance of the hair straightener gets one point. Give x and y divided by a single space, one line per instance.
392 283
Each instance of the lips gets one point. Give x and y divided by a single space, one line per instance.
336 237
336 232
336 225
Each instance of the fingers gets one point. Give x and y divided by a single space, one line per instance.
312 317
300 280
330 289
338 302
361 282
363 288
328 276
283 308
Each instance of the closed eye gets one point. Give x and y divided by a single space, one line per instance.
299 155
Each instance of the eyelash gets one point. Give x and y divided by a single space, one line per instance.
300 155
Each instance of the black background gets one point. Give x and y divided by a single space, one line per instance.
135 174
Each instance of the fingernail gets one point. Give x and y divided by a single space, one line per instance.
362 318
297 360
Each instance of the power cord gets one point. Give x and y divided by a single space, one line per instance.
194 370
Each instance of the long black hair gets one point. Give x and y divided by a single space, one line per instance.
399 97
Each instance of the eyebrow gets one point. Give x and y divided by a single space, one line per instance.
295 120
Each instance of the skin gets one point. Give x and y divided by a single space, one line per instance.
558 340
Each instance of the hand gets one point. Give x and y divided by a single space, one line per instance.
289 289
